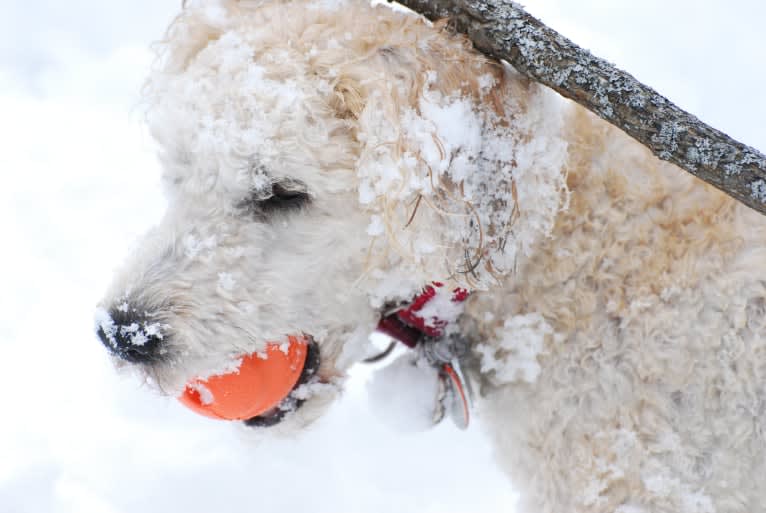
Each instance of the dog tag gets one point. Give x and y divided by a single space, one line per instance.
456 398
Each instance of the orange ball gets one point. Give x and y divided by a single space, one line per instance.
257 386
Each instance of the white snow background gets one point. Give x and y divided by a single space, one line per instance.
81 182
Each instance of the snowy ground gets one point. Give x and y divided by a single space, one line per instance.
81 183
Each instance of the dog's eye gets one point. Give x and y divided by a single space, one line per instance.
285 196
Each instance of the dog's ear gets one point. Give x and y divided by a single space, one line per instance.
445 153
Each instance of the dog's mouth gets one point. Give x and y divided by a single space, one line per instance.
291 403
263 388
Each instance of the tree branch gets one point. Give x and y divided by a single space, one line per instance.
503 30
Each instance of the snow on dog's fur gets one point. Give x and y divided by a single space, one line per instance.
325 159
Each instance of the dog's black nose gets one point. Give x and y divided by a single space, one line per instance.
130 335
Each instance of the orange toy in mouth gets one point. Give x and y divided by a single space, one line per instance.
257 386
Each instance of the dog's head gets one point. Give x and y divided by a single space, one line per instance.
322 161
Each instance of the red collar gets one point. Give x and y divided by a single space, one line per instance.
427 325
413 323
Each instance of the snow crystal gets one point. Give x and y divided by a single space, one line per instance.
134 335
226 281
313 389
130 328
219 368
366 193
205 394
375 227
105 323
394 287
138 335
661 485
441 310
154 329
424 246
486 82
513 356
196 246
449 133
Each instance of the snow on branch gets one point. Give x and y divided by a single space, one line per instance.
503 30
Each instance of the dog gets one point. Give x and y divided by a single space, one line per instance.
327 160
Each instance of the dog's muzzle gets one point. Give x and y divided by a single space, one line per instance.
259 391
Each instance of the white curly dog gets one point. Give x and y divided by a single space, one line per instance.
327 159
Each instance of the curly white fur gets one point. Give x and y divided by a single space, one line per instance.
619 312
